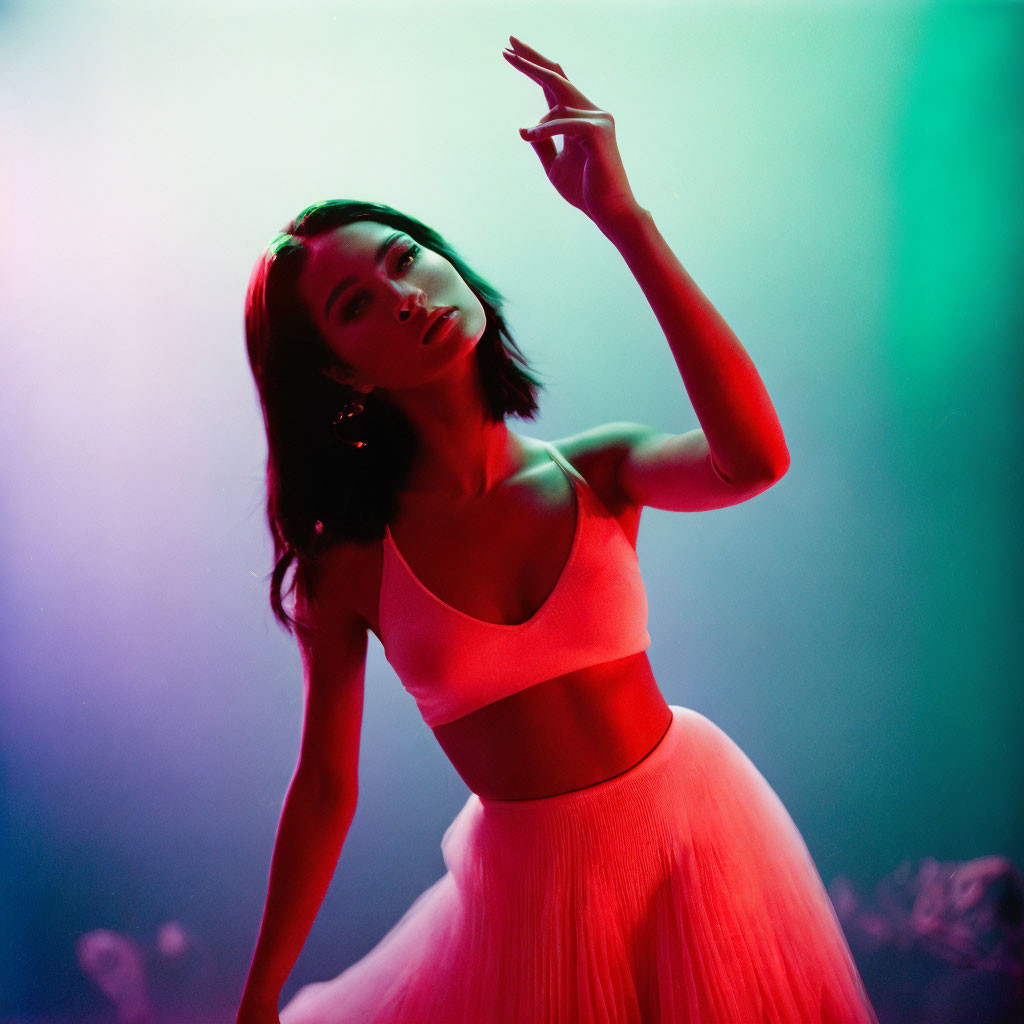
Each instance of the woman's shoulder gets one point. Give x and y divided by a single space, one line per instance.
595 453
345 579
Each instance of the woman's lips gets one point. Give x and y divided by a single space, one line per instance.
440 325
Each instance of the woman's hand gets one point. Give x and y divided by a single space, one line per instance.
588 172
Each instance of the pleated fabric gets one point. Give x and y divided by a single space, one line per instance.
680 892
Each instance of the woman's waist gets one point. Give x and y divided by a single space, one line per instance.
563 734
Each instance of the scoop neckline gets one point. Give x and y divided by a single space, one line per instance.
547 602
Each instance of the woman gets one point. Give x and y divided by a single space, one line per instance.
619 859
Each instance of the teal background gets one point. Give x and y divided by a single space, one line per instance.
842 181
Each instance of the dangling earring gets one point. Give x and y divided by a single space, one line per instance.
353 407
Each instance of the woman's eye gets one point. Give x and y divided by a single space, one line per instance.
351 307
412 252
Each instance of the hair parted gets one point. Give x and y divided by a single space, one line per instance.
321 491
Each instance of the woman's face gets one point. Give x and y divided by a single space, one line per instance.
371 289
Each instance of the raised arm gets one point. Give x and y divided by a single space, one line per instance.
322 796
740 449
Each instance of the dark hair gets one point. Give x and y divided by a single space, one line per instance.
321 491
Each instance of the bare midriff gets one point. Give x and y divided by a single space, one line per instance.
560 735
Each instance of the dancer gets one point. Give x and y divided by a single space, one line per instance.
619 859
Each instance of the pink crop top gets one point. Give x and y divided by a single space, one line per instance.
453 664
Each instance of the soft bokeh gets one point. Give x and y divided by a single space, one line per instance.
843 181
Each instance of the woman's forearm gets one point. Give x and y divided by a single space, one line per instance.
728 395
314 822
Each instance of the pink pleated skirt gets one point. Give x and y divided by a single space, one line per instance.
680 892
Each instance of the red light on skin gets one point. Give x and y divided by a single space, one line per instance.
440 326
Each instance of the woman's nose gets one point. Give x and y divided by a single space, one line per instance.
412 304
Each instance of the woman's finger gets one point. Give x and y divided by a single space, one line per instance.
544 148
574 127
549 94
562 110
537 58
531 54
561 88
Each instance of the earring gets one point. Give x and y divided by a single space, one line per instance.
353 407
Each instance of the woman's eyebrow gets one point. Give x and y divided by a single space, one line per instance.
381 254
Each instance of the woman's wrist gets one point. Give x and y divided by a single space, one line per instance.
615 225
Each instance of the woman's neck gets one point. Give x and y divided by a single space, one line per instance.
463 453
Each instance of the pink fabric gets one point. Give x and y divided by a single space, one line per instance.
453 664
679 892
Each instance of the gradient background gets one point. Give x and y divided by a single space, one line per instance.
842 181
